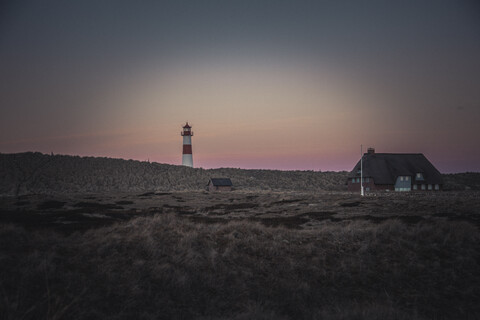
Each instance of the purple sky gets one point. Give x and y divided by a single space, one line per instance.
266 84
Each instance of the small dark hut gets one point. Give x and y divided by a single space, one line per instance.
395 172
219 184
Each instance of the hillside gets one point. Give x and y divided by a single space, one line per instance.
27 173
462 181
34 172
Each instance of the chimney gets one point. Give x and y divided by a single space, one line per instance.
371 150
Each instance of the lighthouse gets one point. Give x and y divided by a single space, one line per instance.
187 133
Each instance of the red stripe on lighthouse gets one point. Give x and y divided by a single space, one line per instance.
187 157
187 149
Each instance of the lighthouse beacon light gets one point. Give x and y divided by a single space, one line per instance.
187 133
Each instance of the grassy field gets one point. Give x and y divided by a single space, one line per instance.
240 255
37 173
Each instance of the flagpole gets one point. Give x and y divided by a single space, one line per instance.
361 170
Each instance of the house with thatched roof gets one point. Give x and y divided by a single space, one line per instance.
394 172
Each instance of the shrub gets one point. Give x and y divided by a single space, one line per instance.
166 267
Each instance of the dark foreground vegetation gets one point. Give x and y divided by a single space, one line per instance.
167 267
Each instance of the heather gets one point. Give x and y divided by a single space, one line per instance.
167 267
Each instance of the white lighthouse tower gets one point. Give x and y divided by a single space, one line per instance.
187 133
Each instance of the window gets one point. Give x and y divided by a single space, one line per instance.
367 179
353 180
414 187
419 176
429 187
407 178
437 187
367 189
423 187
401 178
358 179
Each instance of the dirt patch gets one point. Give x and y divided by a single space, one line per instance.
232 206
146 194
96 205
22 203
151 193
350 204
124 202
285 201
51 204
379 219
64 221
320 216
179 209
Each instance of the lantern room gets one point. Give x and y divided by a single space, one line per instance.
187 130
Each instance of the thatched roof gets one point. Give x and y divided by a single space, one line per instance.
384 168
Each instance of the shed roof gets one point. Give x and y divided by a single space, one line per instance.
384 168
221 182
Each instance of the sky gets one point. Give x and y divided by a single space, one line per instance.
290 85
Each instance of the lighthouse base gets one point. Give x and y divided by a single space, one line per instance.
187 160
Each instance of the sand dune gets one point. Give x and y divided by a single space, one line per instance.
26 173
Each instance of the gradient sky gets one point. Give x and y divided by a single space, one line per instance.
266 84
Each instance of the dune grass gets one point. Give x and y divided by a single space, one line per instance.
37 173
167 267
